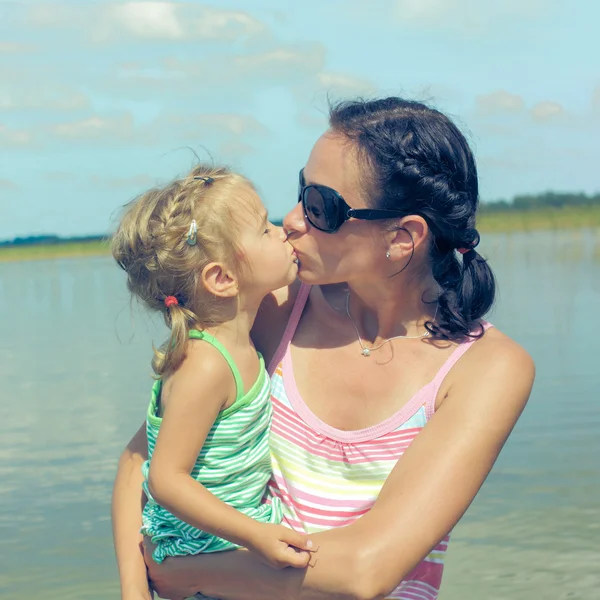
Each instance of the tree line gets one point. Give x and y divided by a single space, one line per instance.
526 202
541 201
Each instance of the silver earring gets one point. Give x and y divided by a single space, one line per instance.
388 255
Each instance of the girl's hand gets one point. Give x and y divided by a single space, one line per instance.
281 547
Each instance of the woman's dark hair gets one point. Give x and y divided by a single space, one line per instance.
418 161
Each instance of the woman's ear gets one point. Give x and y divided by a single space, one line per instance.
410 233
220 281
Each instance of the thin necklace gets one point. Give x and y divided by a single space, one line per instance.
365 351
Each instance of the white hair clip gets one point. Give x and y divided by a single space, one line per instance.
192 233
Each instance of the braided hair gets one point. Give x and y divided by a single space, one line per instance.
163 263
418 161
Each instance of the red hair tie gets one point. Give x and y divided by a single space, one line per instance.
170 301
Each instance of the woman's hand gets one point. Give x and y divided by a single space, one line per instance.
280 547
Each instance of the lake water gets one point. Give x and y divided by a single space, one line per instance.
74 371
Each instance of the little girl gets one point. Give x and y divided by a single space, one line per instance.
202 251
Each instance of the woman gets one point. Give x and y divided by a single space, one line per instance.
381 353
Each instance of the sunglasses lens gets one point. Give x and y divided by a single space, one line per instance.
322 208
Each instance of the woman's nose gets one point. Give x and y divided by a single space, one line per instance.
294 221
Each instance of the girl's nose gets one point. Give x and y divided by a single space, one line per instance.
294 222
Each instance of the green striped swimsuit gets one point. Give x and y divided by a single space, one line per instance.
234 464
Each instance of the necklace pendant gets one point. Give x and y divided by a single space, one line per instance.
366 352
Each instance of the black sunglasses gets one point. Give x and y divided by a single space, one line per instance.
326 210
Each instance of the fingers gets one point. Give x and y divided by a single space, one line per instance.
298 540
298 559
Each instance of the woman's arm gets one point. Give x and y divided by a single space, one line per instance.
424 497
127 502
336 573
442 470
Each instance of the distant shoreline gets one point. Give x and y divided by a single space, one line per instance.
570 217
64 249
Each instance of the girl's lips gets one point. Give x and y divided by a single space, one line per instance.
295 252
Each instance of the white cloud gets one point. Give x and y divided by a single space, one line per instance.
468 15
426 11
51 15
298 69
24 96
217 127
17 48
283 62
216 24
11 138
345 85
170 79
117 127
150 21
167 128
546 111
7 184
153 20
500 102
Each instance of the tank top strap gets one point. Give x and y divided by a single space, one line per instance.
209 339
291 326
441 374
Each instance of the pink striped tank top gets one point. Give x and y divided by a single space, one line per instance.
327 477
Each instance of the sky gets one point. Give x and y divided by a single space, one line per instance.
100 101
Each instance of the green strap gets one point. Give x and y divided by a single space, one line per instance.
202 335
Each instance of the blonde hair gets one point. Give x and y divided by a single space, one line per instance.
151 245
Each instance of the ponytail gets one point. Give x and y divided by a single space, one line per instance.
171 354
467 294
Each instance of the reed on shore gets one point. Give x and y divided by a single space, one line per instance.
567 217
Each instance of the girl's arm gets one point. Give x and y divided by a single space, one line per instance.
196 393
127 502
424 497
128 498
